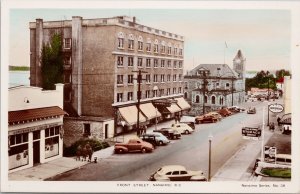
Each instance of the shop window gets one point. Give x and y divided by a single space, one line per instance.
51 146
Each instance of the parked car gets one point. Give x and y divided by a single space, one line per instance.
182 128
190 120
133 145
177 173
251 110
215 114
235 109
191 124
206 119
169 133
224 112
159 139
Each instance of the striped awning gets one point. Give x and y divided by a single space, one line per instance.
149 110
129 114
184 105
174 108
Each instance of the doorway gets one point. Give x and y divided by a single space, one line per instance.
106 131
36 152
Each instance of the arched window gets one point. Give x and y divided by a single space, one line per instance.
140 43
120 40
205 99
197 99
131 41
213 100
221 100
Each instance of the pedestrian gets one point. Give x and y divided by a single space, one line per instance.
84 153
78 152
89 151
278 120
145 129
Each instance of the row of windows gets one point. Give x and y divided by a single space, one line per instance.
149 62
212 98
52 131
18 139
163 49
123 97
130 78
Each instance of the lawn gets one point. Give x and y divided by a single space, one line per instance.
277 172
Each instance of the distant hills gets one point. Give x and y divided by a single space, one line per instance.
19 68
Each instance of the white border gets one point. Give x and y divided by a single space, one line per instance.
21 186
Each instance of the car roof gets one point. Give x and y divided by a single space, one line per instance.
172 168
154 133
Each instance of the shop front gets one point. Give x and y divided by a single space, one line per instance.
183 104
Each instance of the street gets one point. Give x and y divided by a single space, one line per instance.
191 151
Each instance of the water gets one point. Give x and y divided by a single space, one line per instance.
19 78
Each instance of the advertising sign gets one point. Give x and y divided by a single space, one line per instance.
251 133
270 153
276 108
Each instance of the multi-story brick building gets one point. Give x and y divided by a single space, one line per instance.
101 60
212 86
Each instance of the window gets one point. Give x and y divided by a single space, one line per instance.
18 139
130 79
148 47
175 64
205 99
130 44
174 90
148 79
156 48
169 50
174 78
162 63
67 60
36 135
155 78
162 78
140 62
154 93
221 100
217 85
120 61
119 97
168 77
185 95
175 173
227 85
175 51
197 99
120 42
169 64
213 100
163 49
130 96
140 45
120 79
67 77
180 52
86 129
168 91
130 61
180 77
155 62
148 62
147 93
162 92
180 64
179 90
67 43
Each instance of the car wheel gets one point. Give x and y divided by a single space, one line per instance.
187 132
144 150
120 151
160 143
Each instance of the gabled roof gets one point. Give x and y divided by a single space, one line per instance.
34 114
222 70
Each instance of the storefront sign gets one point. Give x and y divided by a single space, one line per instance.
276 108
35 128
270 153
251 133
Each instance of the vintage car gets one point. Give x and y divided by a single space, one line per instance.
182 128
235 109
251 110
169 133
133 145
206 119
224 112
155 138
215 114
177 173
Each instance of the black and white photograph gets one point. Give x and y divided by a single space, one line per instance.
150 96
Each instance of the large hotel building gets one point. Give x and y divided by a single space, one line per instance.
101 60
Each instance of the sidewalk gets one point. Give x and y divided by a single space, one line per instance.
50 169
235 169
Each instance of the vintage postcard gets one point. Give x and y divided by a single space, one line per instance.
150 96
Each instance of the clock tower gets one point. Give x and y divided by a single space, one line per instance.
239 64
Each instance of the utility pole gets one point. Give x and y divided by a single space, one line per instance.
203 91
232 90
139 80
268 88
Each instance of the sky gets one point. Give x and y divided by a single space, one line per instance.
263 36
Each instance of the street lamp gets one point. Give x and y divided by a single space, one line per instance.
209 155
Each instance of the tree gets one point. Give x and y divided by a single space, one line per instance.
263 79
281 73
52 63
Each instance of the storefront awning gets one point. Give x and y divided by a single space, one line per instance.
129 114
182 103
173 108
149 110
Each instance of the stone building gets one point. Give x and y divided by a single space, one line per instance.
101 59
35 126
212 86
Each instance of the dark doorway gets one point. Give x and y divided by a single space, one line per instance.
36 152
106 131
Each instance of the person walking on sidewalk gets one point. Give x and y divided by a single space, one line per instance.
78 152
89 151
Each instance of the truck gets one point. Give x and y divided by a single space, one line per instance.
133 145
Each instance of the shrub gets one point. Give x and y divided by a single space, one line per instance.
277 172
94 143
